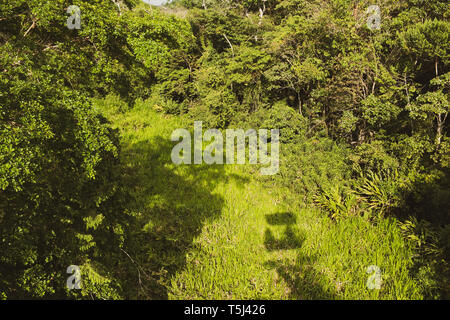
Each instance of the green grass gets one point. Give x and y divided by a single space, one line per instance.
216 232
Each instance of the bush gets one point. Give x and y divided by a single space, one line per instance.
59 200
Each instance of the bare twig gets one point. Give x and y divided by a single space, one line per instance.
139 272
50 47
32 26
231 46
116 2
261 12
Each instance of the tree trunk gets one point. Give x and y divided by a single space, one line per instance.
436 67
440 127
299 104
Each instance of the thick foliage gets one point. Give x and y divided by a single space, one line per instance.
363 113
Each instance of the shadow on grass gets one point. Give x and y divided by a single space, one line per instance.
171 204
426 217
302 278
289 240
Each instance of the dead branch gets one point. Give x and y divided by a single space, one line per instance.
231 46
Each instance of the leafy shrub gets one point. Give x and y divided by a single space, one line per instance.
431 265
59 200
336 202
280 116
380 190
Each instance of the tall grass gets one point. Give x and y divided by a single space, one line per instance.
217 232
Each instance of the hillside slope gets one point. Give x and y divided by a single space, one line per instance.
218 232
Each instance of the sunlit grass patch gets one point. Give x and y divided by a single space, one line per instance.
216 232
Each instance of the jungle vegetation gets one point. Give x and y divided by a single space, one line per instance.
86 178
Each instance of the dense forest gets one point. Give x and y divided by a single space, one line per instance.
90 91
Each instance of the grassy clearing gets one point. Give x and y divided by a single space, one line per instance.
215 232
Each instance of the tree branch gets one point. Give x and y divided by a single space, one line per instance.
231 46
32 26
